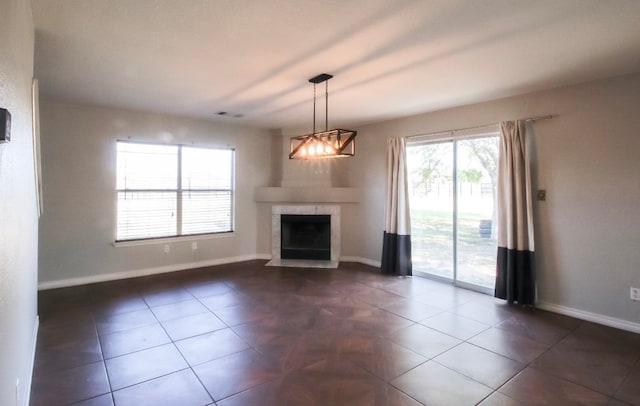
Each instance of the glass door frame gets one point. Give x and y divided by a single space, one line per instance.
476 133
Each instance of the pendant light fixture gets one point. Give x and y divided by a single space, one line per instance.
325 144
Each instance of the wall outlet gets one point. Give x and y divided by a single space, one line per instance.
167 248
635 294
542 195
194 246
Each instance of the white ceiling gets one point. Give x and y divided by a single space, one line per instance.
390 58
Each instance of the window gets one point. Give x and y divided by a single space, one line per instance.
453 209
173 190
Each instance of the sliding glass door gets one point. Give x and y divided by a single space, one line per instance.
453 190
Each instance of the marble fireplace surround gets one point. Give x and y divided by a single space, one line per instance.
276 233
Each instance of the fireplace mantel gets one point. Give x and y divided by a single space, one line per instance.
303 194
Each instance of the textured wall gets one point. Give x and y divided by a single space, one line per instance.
18 218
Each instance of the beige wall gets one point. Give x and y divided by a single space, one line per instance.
587 236
78 225
18 218
586 159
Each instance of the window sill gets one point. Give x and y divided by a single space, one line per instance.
169 240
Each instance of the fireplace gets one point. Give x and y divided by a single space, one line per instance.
305 236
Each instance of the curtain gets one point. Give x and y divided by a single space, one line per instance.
396 246
515 273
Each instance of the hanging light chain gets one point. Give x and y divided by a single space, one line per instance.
314 108
326 105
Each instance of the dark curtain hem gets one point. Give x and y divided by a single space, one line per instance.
396 254
515 276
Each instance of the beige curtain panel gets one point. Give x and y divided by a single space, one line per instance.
515 276
396 247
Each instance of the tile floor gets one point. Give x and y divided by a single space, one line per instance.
246 334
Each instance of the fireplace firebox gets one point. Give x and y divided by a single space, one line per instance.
305 236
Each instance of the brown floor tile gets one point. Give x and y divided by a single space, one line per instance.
67 354
616 402
179 388
226 299
539 325
441 299
388 395
102 400
68 386
206 288
104 307
111 288
191 326
423 340
143 365
481 365
433 384
300 318
599 370
61 330
375 297
589 336
410 286
62 300
629 390
379 356
499 399
166 296
335 381
375 321
412 309
235 373
486 312
455 325
264 331
124 321
533 387
244 313
135 339
291 352
327 382
179 309
510 345
206 347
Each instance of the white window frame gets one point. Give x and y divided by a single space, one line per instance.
179 191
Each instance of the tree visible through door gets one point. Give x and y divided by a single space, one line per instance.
453 209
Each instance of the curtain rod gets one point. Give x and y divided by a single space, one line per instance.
528 119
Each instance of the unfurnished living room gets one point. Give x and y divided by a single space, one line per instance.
243 202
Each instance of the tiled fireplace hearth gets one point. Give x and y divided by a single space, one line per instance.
276 235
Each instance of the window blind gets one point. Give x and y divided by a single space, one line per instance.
173 190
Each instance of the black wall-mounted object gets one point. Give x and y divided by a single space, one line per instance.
5 125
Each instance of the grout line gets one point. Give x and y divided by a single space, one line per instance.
104 360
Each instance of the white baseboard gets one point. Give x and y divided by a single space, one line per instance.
34 342
592 317
84 280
